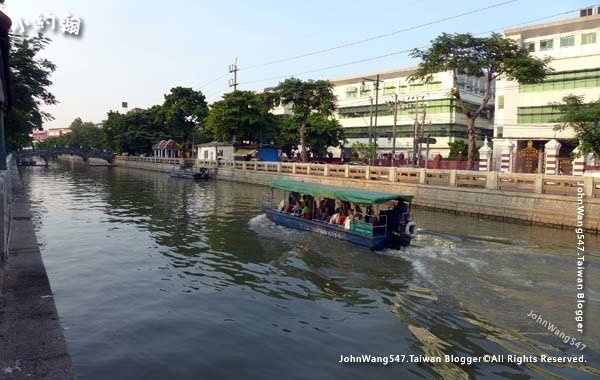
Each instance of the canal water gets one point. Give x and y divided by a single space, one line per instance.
161 278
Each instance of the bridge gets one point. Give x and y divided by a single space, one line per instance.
47 153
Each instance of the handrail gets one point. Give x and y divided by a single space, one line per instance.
490 180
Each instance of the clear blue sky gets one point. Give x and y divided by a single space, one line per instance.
136 50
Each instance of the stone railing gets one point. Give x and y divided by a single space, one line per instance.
156 160
509 182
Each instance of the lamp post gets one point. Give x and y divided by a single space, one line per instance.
395 109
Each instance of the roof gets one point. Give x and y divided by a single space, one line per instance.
339 193
556 27
166 144
383 75
214 143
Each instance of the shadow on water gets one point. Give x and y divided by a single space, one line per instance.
173 278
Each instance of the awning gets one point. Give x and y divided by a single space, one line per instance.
244 152
339 193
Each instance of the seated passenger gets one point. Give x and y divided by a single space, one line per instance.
290 206
281 206
326 214
306 211
348 220
335 218
343 216
297 209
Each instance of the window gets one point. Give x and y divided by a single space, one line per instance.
365 91
567 41
206 154
403 89
588 38
540 114
389 88
499 131
546 44
529 47
562 80
434 86
501 102
351 92
417 87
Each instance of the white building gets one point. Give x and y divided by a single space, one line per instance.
214 151
524 113
438 113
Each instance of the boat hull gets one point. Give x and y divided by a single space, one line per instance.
189 175
375 243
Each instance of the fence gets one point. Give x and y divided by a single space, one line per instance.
510 182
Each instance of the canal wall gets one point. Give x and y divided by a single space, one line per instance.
32 341
522 198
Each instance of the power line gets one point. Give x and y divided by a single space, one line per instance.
377 36
393 53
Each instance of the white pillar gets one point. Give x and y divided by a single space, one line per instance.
552 149
485 157
578 162
506 151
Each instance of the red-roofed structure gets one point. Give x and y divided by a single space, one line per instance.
167 149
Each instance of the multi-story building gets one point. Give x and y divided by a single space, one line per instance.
39 135
526 114
426 109
57 132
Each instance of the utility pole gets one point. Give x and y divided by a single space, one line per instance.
422 130
395 105
414 158
376 111
233 69
370 121
427 148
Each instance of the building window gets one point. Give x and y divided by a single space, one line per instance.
500 131
433 86
538 115
568 41
403 89
564 80
417 87
529 47
389 88
351 92
501 102
588 38
365 91
546 44
206 154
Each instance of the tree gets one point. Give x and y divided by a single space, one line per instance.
30 77
365 151
306 98
241 116
321 133
459 147
135 131
182 111
584 118
486 57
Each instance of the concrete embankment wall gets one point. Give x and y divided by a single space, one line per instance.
32 345
541 209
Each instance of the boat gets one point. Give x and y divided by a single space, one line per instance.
27 162
386 223
202 174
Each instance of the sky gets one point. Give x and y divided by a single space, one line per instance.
137 50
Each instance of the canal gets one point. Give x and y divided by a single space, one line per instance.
160 278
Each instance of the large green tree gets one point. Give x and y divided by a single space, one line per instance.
241 116
183 111
584 118
321 133
484 57
135 131
307 98
30 77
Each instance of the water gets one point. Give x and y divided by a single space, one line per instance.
160 278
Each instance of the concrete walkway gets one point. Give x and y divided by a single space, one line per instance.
32 344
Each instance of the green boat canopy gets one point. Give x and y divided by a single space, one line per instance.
336 192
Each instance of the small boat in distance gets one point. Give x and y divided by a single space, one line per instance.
375 220
27 162
201 174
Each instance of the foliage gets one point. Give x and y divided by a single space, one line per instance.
241 116
134 132
584 118
365 151
30 79
486 57
459 146
183 110
306 98
321 134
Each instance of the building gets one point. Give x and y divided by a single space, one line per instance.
39 136
437 113
524 136
215 150
167 149
57 132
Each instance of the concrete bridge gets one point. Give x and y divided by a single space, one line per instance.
47 153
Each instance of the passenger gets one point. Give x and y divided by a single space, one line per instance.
343 216
290 206
281 207
306 211
326 215
297 209
348 220
335 218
